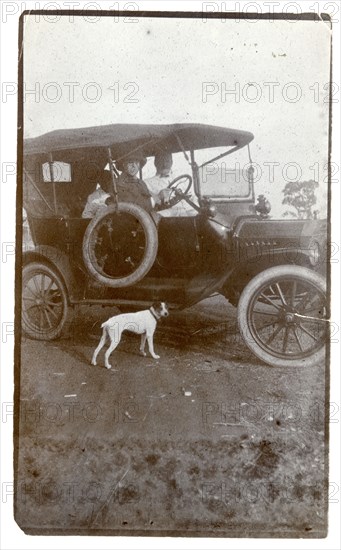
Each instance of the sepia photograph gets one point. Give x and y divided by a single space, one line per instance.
172 273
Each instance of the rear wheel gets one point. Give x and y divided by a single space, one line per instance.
44 302
282 316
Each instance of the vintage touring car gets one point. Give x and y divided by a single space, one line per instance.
127 257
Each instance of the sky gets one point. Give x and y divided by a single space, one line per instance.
270 78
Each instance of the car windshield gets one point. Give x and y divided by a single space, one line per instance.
225 177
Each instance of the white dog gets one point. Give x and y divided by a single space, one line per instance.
141 322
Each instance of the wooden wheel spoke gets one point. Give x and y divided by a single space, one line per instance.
49 287
274 334
269 301
53 304
48 318
36 285
265 313
51 311
267 325
303 302
30 307
308 333
285 339
306 303
31 291
281 295
297 339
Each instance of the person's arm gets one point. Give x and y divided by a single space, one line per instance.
159 194
164 195
149 200
88 211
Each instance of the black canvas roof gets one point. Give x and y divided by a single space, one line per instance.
125 138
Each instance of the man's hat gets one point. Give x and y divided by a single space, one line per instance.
137 156
161 155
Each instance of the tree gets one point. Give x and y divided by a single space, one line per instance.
301 196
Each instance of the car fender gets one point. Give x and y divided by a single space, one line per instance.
247 268
58 260
258 260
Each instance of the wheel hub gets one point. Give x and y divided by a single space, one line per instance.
289 317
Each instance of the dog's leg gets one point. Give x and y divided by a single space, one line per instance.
143 343
99 347
151 346
113 345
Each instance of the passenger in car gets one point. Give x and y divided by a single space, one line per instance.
96 200
130 188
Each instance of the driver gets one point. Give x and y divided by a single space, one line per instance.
158 186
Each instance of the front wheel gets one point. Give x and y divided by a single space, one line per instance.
282 316
44 302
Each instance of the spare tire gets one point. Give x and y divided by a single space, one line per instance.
120 245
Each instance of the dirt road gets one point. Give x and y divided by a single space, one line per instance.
207 440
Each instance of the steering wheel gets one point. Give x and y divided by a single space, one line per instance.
179 194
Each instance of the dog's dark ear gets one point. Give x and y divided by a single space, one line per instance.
156 306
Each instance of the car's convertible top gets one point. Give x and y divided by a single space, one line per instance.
124 138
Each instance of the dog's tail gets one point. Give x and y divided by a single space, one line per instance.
105 327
